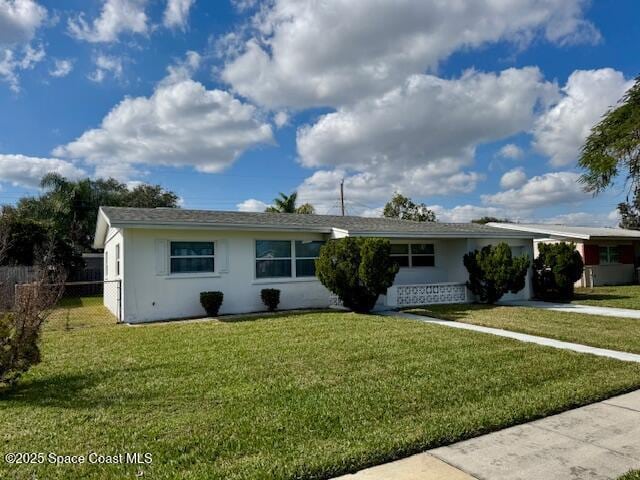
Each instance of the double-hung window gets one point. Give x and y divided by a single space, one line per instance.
286 258
273 258
413 255
609 254
117 259
306 254
422 255
400 254
192 257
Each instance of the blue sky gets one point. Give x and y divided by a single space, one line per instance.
478 110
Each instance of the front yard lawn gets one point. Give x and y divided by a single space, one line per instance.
304 396
598 331
622 296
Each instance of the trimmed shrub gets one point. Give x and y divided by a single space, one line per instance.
357 270
270 297
211 302
494 271
555 271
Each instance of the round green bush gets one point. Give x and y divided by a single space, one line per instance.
211 302
270 297
358 270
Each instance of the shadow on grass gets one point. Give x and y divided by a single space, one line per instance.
76 391
63 390
600 296
454 312
272 315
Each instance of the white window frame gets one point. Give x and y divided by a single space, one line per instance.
215 263
106 264
608 248
410 254
294 267
292 258
117 259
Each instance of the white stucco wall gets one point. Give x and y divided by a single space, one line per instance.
151 293
110 298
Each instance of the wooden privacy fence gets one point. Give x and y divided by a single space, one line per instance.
9 278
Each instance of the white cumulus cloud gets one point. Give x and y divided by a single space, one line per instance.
176 14
19 20
28 171
11 64
61 68
116 17
370 46
106 65
181 124
513 178
391 143
540 191
511 151
466 213
587 95
252 205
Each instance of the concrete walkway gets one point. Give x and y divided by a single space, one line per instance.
597 442
575 308
523 337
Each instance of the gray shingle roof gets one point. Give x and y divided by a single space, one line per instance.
121 217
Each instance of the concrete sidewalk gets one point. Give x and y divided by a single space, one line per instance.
597 442
575 308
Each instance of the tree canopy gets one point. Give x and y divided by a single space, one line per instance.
404 208
613 146
485 220
287 204
64 215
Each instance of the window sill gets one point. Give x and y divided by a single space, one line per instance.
181 276
266 281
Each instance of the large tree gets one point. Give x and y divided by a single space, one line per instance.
64 215
287 204
613 149
404 208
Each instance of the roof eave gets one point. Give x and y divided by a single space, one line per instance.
540 231
102 227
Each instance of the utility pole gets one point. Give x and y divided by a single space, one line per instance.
342 196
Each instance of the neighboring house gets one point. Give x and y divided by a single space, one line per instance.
610 255
166 257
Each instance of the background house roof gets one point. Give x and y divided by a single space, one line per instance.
158 217
564 231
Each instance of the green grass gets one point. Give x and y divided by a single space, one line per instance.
634 475
598 331
79 312
304 396
623 296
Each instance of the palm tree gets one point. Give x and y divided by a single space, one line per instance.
287 204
